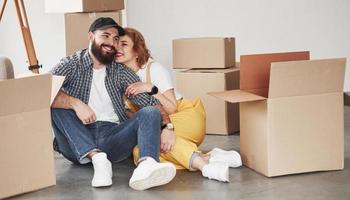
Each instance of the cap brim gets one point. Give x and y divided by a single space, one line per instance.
120 29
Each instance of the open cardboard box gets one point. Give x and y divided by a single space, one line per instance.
291 113
27 158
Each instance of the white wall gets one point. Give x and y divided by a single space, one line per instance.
47 33
321 26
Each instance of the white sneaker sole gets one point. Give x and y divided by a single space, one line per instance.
101 183
158 177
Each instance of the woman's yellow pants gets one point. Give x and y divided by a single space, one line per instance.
189 123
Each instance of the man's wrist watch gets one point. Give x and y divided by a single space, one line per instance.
153 91
168 126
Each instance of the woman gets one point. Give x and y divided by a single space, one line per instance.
180 146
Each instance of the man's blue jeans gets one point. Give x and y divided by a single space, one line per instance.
74 139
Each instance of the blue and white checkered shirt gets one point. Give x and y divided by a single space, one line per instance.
78 69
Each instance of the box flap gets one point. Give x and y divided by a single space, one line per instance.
57 82
25 94
255 69
297 78
28 94
226 70
236 96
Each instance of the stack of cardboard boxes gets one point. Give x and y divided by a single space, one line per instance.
204 65
79 14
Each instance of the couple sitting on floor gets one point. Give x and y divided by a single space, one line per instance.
92 122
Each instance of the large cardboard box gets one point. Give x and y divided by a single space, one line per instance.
72 6
204 53
77 27
222 118
291 113
27 158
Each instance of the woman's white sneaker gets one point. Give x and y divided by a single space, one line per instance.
217 171
150 173
232 158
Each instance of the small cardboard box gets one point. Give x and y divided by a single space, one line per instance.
222 118
77 28
291 113
204 53
72 6
27 158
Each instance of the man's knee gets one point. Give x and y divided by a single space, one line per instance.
59 112
150 112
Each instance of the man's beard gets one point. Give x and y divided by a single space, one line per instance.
103 58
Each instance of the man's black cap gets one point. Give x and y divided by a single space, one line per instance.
106 22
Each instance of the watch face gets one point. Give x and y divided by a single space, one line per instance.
169 126
154 90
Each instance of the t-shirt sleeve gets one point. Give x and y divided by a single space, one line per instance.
161 77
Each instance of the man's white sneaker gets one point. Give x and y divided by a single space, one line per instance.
150 173
216 170
232 158
102 170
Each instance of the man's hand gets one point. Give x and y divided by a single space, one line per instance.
137 88
83 111
167 140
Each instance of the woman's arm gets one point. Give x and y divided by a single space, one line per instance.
167 99
161 78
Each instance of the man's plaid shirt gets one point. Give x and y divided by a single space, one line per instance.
78 71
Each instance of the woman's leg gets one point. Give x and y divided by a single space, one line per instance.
212 170
180 156
189 120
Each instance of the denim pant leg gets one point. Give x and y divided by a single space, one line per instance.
70 130
61 145
148 141
119 140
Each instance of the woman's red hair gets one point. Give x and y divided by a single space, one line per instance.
140 48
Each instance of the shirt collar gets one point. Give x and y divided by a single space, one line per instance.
87 59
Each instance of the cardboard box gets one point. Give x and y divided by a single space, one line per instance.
77 27
222 118
72 6
291 113
204 53
27 158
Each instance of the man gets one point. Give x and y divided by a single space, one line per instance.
89 118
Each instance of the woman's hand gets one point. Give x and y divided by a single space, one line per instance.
137 88
167 140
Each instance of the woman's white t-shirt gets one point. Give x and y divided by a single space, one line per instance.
100 101
160 77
